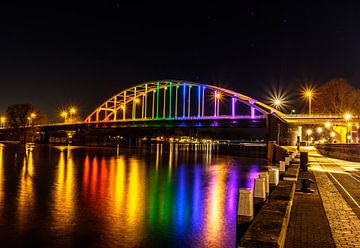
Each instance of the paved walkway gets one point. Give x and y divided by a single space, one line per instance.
328 217
308 225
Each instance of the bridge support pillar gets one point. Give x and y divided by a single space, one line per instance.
342 131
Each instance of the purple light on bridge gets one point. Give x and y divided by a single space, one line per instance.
184 101
233 106
252 102
215 100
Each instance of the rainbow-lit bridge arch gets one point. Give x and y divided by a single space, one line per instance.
179 100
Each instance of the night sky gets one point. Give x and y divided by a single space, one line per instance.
56 55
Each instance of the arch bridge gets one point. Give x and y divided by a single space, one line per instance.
166 100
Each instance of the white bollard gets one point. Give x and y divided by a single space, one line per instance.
265 175
274 176
287 161
282 166
259 189
245 210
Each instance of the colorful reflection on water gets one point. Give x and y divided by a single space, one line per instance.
168 196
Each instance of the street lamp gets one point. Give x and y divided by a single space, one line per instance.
64 114
277 103
3 119
319 130
328 125
309 94
308 132
72 111
347 117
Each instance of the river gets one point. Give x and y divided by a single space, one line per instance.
158 196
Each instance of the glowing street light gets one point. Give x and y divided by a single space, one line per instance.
332 134
309 132
319 130
3 119
328 124
64 114
277 103
309 93
347 116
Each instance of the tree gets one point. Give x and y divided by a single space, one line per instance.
23 118
336 96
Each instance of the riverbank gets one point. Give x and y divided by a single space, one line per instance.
323 218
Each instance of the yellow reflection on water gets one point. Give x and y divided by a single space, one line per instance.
25 198
64 193
117 179
214 219
135 199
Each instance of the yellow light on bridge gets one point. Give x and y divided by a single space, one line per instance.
319 130
347 116
137 100
332 134
309 132
218 95
64 114
32 115
328 124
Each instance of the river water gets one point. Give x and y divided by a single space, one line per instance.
159 196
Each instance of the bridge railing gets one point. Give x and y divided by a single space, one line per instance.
315 116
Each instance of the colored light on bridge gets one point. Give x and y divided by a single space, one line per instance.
328 124
347 116
136 100
319 130
218 95
33 115
332 134
309 132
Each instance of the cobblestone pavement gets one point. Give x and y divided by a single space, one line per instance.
308 225
344 223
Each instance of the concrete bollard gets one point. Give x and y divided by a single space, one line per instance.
265 175
259 189
245 210
282 166
274 176
287 161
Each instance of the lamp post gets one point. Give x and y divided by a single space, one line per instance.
309 94
308 132
347 117
64 114
72 111
3 119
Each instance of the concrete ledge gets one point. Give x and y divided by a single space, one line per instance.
292 173
283 191
270 225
